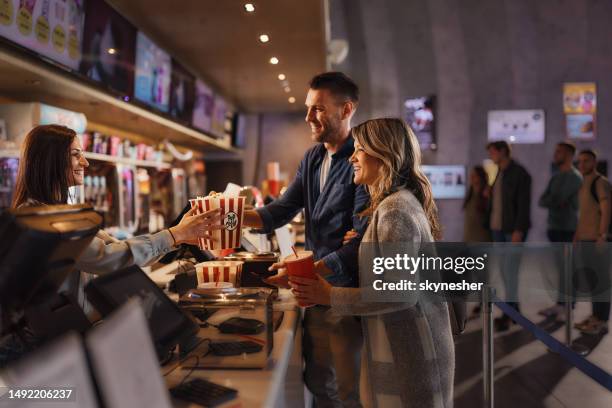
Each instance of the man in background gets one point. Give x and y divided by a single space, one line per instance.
509 217
561 200
324 188
591 237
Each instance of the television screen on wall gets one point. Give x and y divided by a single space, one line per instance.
50 28
516 126
203 109
219 116
153 73
182 93
109 47
446 181
420 114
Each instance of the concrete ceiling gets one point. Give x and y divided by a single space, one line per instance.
218 41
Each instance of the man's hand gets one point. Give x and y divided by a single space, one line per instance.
281 279
350 234
517 236
252 219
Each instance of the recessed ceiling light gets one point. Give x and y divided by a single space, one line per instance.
264 38
291 99
249 7
287 89
111 51
282 77
274 61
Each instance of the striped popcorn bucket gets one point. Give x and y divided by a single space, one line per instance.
232 211
219 271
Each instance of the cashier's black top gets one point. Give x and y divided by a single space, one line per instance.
330 213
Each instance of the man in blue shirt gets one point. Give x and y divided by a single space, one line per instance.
324 188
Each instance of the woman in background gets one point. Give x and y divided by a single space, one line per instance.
409 344
475 207
52 160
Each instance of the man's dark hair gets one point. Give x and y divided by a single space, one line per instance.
569 146
500 146
338 84
590 152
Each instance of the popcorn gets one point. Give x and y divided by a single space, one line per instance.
232 211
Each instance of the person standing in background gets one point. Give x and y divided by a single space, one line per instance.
475 207
561 200
509 217
324 188
591 237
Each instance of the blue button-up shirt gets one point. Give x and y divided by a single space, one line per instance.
330 213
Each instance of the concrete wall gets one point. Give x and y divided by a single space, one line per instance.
476 56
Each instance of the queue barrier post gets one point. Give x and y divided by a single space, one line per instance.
488 368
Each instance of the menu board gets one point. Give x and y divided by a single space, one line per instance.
419 113
446 181
516 126
153 70
51 28
109 47
580 107
204 107
182 93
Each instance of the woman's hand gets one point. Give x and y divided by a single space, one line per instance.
194 226
317 291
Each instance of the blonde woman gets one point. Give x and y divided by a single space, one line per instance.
409 343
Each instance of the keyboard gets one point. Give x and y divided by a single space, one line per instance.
234 348
202 392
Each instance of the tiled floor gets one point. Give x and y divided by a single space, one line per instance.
527 374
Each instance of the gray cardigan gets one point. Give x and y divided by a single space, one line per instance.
409 345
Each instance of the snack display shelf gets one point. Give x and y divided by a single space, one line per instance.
126 160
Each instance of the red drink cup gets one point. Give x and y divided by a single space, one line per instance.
301 265
274 187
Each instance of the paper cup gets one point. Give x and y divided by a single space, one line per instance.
302 266
219 272
232 212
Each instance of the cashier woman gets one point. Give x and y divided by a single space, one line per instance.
52 160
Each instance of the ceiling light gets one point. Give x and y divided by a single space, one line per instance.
291 99
274 61
287 89
281 77
111 51
264 38
249 7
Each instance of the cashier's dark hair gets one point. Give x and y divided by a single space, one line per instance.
338 84
42 174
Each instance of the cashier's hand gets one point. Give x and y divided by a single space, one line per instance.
350 234
281 279
194 225
317 291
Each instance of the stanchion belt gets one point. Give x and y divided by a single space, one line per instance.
555 345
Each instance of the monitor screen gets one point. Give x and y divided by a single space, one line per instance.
124 363
168 323
60 365
420 114
109 47
446 181
182 93
219 116
516 126
153 73
204 107
51 28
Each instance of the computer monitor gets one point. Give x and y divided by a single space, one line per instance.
60 366
38 250
123 361
169 325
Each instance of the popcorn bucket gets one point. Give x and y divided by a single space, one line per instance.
232 211
219 271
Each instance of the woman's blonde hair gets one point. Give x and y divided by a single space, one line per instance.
393 142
